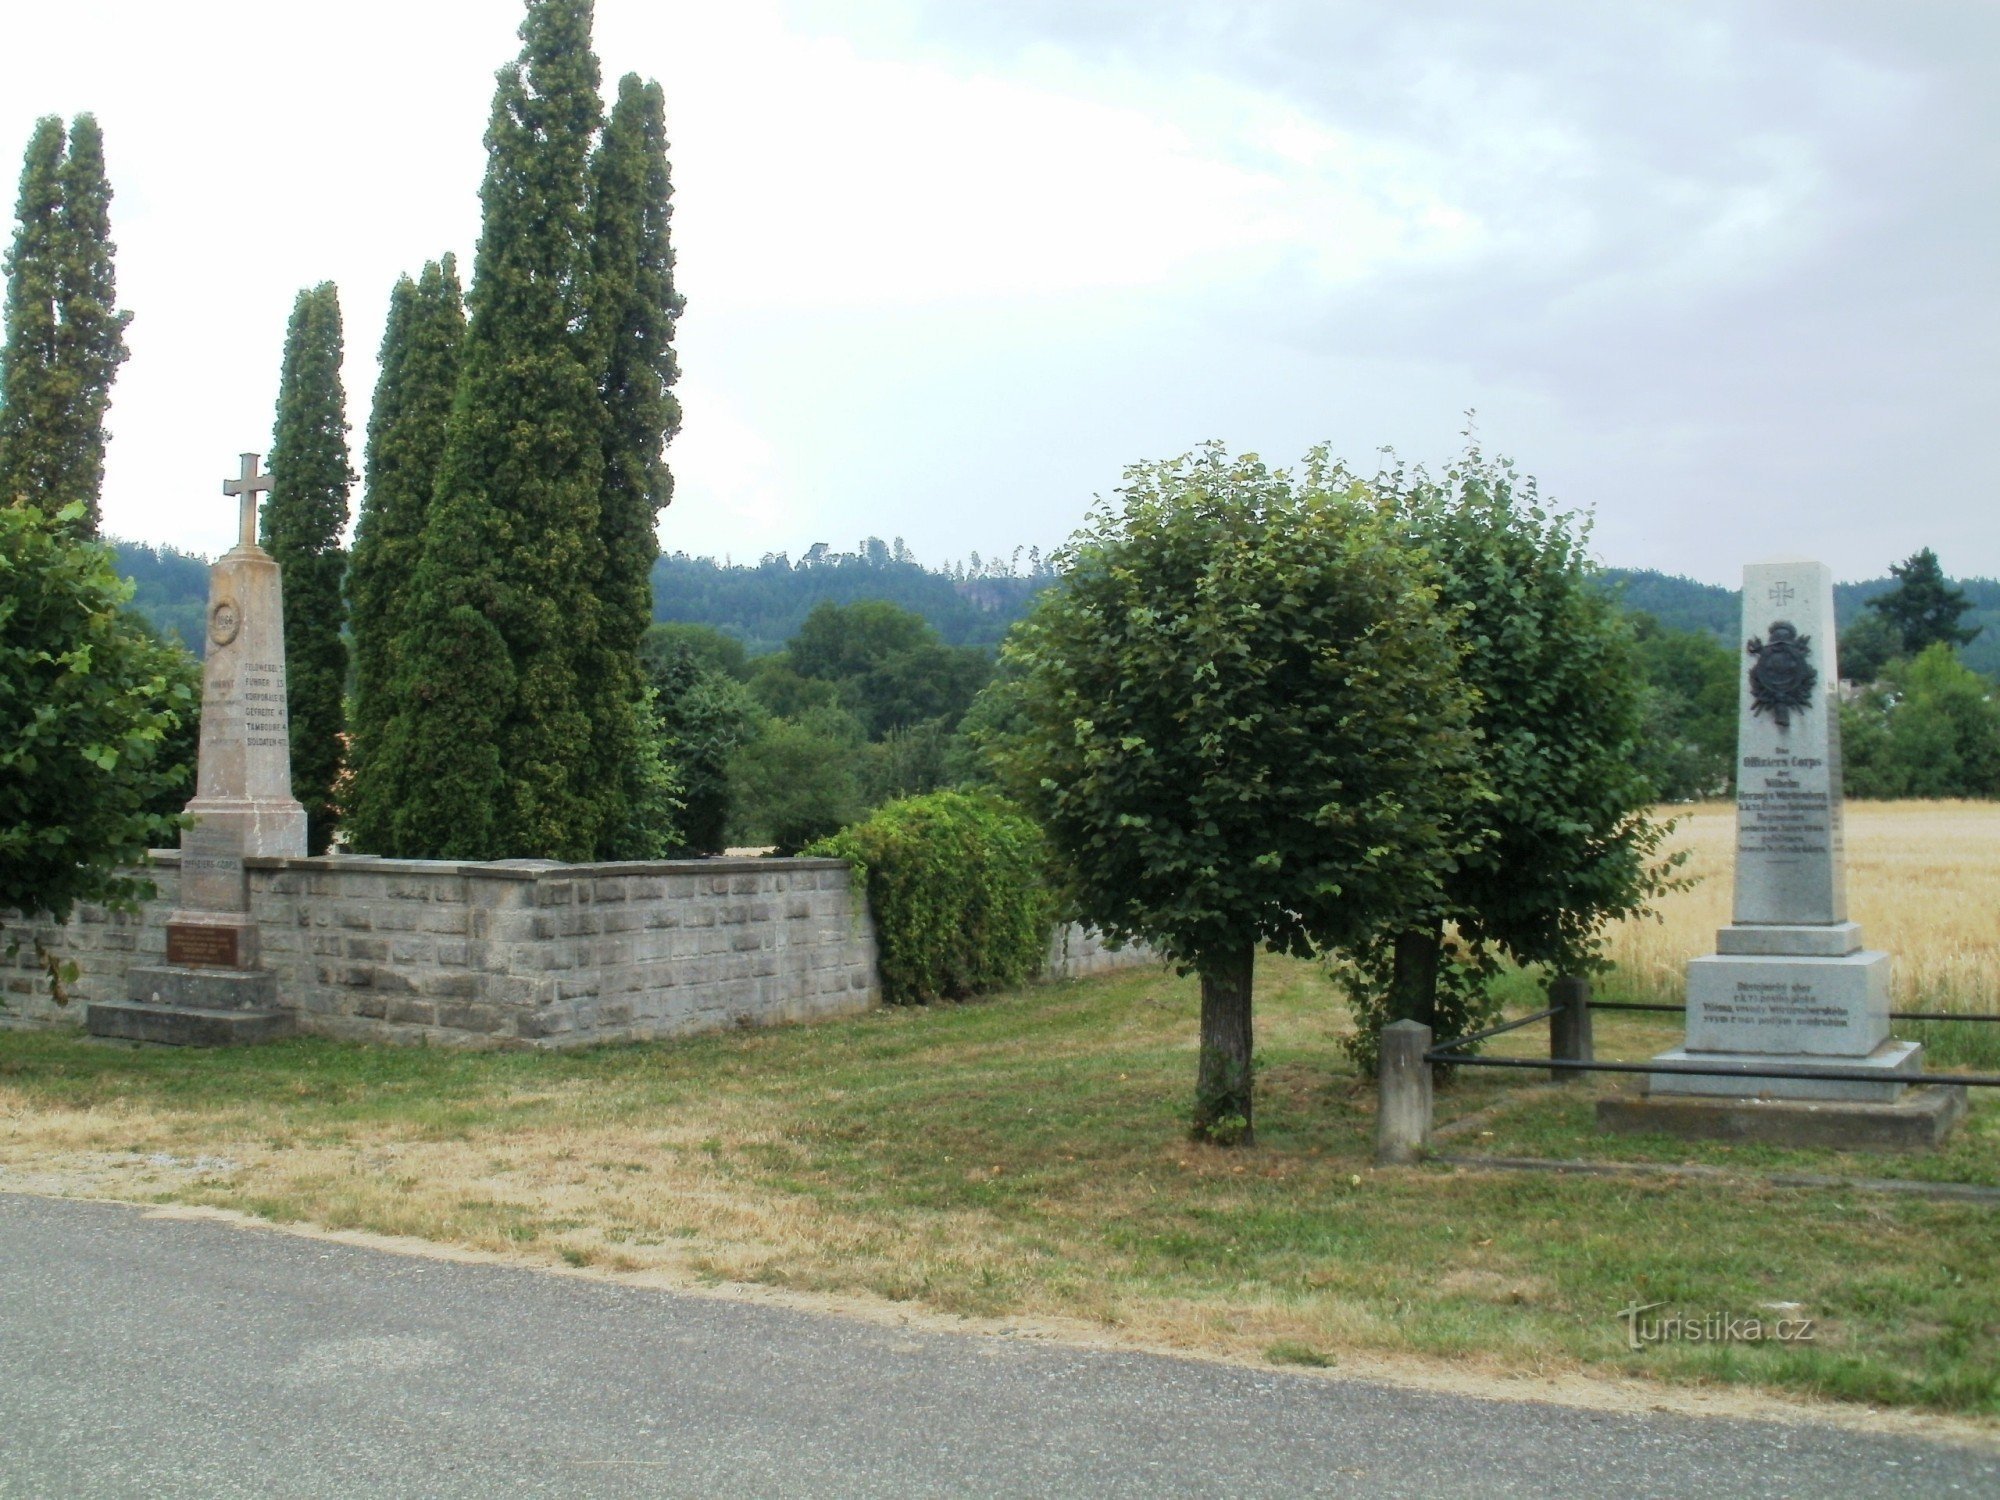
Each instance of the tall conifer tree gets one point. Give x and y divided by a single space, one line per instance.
303 521
65 338
406 433
90 343
633 307
30 390
513 533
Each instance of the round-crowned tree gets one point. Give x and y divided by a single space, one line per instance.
88 700
1565 842
1240 719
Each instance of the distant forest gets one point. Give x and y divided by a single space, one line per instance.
972 603
1684 604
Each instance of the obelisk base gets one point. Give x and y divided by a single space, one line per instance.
187 1006
1921 1120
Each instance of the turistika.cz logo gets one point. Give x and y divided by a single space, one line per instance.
1708 1328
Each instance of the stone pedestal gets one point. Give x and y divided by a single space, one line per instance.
1790 984
211 990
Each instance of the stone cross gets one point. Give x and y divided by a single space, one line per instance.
247 484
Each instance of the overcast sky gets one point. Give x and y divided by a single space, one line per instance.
1726 274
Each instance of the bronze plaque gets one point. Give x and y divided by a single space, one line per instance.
205 946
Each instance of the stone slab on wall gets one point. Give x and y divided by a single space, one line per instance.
519 952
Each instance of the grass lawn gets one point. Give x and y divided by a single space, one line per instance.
1025 1157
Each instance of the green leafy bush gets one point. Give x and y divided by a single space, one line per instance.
89 702
957 885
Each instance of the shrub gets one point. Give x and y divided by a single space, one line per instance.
957 884
89 702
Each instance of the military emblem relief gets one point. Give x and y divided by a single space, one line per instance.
1782 677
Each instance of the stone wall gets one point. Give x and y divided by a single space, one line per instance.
1077 952
522 952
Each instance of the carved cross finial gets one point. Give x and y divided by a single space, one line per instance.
247 484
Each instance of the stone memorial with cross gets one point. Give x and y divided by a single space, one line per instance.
1790 984
212 987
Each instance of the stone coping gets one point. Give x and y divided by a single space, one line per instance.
520 869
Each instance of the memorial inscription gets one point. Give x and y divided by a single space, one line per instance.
199 946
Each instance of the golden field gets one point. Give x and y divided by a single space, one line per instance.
1923 880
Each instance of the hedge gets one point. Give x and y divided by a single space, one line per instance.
957 884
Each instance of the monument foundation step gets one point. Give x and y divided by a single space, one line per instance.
184 1025
1919 1121
202 988
1896 1062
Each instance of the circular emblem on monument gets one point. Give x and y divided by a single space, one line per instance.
1781 677
223 622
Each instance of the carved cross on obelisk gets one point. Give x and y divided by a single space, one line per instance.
247 484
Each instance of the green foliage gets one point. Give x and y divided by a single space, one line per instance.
629 330
65 337
541 515
957 884
1867 646
887 666
1563 842
170 589
703 645
765 603
1929 728
303 522
1241 724
523 459
704 717
798 780
406 432
1687 748
88 700
837 642
1923 608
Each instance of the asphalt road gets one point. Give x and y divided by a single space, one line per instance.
143 1356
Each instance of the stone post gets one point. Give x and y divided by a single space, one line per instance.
1403 1113
1569 1028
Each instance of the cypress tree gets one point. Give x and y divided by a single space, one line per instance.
406 432
633 307
90 344
303 521
65 337
505 593
31 398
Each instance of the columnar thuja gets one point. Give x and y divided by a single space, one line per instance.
513 696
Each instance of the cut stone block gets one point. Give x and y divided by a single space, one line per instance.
1830 940
184 1026
1891 1059
1920 1121
1826 1007
202 989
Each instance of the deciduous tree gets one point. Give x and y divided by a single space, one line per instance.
1243 727
1563 842
88 698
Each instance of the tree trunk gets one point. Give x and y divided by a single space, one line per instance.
1222 1091
1413 986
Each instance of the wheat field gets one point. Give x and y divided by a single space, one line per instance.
1923 880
